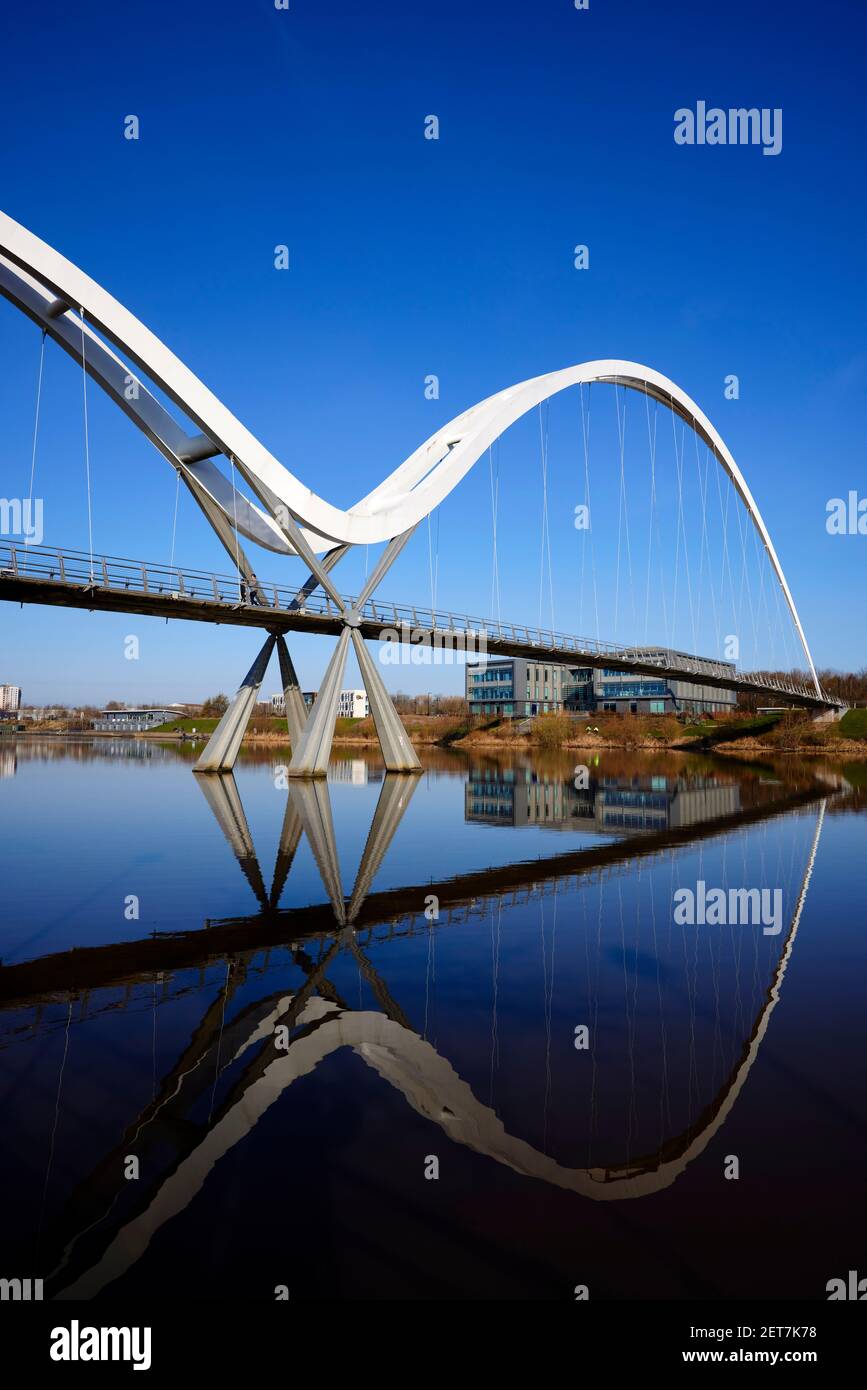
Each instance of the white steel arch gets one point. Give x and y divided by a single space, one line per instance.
49 288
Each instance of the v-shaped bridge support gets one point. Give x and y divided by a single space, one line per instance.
311 736
310 756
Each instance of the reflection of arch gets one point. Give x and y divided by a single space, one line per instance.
43 284
434 1089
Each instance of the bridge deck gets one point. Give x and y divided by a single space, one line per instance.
73 579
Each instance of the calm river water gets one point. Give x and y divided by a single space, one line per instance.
499 1031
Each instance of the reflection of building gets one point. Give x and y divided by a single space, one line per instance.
132 721
624 805
516 687
10 697
8 761
354 770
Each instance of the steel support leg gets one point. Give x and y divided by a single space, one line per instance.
296 713
222 747
311 583
397 749
310 757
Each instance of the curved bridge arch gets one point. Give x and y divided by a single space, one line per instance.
47 287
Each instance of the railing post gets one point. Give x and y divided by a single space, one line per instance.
105 573
144 579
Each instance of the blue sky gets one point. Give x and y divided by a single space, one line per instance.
453 257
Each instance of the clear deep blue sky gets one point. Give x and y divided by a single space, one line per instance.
411 257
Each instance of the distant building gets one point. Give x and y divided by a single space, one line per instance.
515 687
10 697
353 704
132 721
278 702
35 712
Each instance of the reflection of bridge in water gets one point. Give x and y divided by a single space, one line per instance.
104 1230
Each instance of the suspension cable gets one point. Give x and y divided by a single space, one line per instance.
546 531
623 513
585 434
681 524
86 443
433 547
175 521
495 498
235 511
704 546
36 422
651 440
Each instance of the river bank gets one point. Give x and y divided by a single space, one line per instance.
739 737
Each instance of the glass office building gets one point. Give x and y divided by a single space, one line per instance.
516 688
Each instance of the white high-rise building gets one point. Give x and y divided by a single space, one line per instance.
353 704
10 697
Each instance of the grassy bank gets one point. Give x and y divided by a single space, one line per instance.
854 724
422 729
791 732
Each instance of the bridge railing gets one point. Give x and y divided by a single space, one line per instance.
117 574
